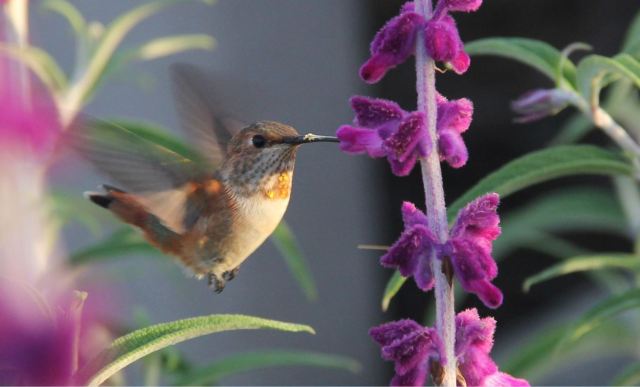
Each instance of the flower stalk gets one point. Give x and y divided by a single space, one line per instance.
434 199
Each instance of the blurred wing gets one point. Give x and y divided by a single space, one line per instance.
207 126
135 163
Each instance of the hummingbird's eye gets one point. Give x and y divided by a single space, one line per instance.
258 141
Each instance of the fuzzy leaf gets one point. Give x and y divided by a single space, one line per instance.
393 287
170 45
121 243
574 129
602 312
243 362
586 263
41 63
137 344
537 54
630 376
595 72
69 12
285 241
632 41
544 165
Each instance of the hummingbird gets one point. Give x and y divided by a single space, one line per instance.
212 208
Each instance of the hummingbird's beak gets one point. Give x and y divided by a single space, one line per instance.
307 138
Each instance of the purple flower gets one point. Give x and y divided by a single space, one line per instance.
540 103
469 248
474 341
381 128
392 45
409 345
454 118
412 347
442 39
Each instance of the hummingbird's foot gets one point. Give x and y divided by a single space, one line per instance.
215 283
231 274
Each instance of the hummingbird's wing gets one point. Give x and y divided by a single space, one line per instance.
207 125
155 176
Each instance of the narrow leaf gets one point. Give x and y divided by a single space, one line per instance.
545 165
632 40
285 242
41 63
69 12
243 362
596 71
585 263
537 54
135 345
605 310
121 243
393 287
630 376
170 45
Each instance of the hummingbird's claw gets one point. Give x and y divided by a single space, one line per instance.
231 274
215 283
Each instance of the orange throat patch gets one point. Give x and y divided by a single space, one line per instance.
279 186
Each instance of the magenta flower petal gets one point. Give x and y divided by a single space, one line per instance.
474 268
455 115
415 243
386 333
375 113
409 138
452 148
462 5
443 43
474 340
391 46
355 140
415 377
423 275
479 220
500 379
412 215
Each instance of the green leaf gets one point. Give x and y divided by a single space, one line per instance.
632 40
80 92
69 12
118 245
630 376
243 362
41 63
135 345
599 314
585 263
595 72
544 165
537 54
574 209
169 45
285 242
393 287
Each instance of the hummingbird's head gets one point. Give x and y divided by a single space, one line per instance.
262 150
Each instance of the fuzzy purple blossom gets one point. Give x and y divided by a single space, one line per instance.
540 103
381 128
409 345
469 248
412 347
454 118
392 45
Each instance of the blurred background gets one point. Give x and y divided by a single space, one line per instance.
304 56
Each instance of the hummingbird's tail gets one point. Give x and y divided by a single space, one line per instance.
126 207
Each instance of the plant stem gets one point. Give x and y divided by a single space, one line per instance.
434 198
